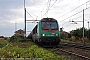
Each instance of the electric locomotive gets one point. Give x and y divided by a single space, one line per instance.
46 32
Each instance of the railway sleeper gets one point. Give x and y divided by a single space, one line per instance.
79 46
64 44
71 45
87 47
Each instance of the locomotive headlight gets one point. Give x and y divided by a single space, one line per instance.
56 34
43 34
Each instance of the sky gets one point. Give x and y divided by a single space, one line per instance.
64 11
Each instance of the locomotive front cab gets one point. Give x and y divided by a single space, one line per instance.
50 31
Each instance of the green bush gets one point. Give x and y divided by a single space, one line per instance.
16 38
31 52
70 39
1 45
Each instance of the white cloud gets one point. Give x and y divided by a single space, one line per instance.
12 11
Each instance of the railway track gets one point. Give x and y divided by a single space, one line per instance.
72 54
78 55
81 52
80 46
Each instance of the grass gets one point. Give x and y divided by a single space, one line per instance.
25 44
27 49
3 43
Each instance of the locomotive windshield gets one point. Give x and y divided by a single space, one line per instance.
49 25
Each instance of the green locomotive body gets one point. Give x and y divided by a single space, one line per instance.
46 32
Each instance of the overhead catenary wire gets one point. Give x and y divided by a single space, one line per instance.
53 4
78 17
71 16
74 9
30 15
32 19
41 11
49 1
49 8
74 14
74 19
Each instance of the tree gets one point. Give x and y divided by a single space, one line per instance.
79 32
1 36
88 33
16 38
